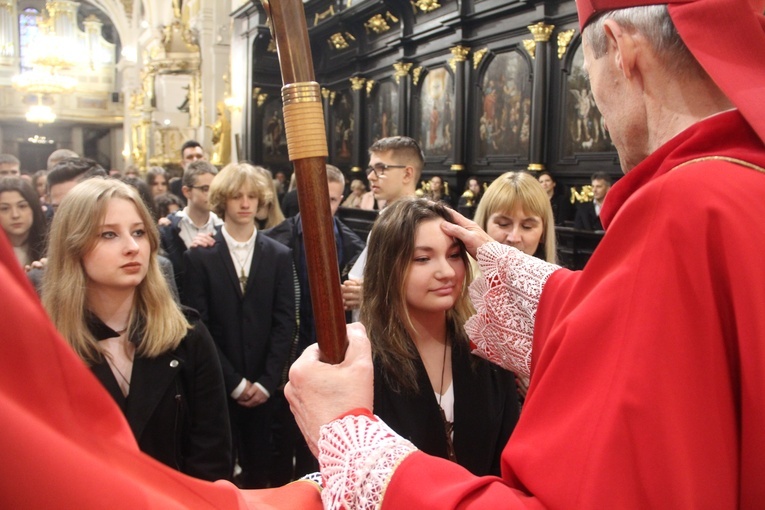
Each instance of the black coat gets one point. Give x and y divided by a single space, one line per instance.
349 247
253 331
174 248
176 407
486 409
586 219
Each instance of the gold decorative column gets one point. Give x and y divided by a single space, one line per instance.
541 32
403 79
358 86
458 63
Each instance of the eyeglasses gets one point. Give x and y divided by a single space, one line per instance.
203 189
380 168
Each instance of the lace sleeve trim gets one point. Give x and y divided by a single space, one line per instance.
506 297
357 457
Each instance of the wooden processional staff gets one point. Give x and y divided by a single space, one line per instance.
307 145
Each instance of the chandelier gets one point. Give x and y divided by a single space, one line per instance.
41 80
40 114
55 49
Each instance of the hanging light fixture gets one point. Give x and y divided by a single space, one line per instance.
56 48
40 113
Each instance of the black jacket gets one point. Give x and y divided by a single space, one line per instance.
349 247
177 405
486 410
586 219
253 331
174 248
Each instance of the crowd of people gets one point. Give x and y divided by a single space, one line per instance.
630 384
192 309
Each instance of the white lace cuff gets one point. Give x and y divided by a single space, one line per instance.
506 298
357 457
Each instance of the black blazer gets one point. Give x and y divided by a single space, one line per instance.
253 331
177 406
486 409
290 233
174 248
586 219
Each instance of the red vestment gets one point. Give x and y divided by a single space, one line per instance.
64 441
647 366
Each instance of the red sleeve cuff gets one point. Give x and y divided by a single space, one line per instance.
359 411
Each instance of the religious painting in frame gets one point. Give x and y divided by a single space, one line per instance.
274 139
584 128
437 112
343 126
383 115
505 106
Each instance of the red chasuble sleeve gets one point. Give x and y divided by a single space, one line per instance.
65 443
647 367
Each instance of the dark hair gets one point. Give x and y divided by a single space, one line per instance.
37 233
601 176
163 202
153 173
406 150
384 311
189 144
143 191
548 174
74 169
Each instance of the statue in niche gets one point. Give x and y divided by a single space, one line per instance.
221 137
184 106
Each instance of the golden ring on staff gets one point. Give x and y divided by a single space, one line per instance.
304 120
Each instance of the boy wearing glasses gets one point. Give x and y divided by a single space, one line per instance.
194 219
395 167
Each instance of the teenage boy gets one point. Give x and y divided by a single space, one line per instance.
243 288
395 167
194 219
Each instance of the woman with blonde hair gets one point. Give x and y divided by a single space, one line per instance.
269 212
515 211
106 295
427 385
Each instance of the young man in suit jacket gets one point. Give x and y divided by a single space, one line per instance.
588 214
243 288
292 457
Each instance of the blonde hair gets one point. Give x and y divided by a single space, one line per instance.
511 188
155 318
384 312
231 180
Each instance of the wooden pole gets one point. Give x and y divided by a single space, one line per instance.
307 145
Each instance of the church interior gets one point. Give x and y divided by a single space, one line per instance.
485 86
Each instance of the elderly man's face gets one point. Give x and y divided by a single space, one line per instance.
620 101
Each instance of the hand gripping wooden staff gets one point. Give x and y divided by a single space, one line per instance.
307 145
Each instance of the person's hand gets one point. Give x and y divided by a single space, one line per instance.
37 264
352 291
164 222
319 393
251 396
466 231
202 239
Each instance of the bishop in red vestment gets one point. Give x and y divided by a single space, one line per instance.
647 367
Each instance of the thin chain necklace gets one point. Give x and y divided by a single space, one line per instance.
448 425
242 274
126 387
